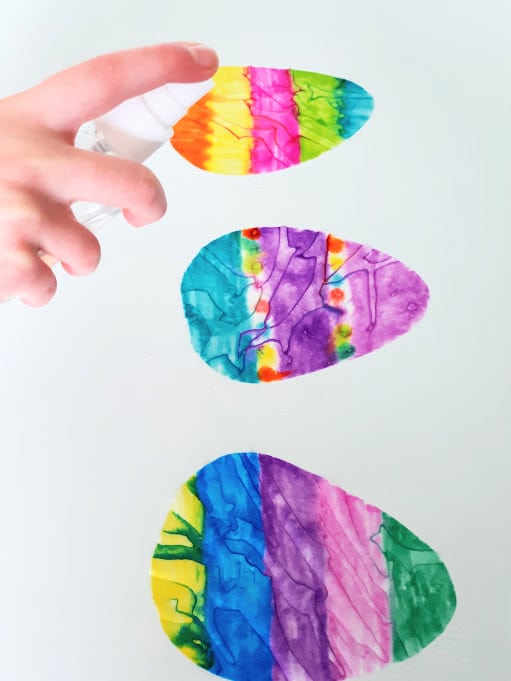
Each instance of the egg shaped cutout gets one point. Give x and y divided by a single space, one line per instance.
270 303
259 120
267 572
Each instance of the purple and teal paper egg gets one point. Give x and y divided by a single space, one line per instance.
266 572
269 303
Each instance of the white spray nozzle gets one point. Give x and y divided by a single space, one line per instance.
139 126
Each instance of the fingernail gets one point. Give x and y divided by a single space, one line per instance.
204 56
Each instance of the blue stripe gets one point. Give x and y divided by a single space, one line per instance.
238 604
355 107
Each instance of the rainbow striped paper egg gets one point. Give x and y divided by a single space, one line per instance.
258 120
266 572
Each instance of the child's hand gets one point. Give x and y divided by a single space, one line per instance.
41 172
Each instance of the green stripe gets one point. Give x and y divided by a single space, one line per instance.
318 112
169 552
422 596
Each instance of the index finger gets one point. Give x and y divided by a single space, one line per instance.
80 93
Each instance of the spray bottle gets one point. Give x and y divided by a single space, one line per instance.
133 130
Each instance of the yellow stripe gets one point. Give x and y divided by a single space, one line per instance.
267 356
187 506
178 585
230 126
174 540
186 573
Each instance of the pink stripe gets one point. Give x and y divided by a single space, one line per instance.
275 121
359 627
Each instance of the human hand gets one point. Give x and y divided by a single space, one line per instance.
42 173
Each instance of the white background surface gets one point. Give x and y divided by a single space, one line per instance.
105 409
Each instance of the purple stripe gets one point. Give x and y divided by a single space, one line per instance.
295 563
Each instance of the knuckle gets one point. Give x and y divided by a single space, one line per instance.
15 270
29 162
90 254
9 274
76 247
147 188
26 216
40 284
103 74
24 274
40 294
26 172
47 289
35 275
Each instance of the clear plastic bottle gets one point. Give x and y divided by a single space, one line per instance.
133 130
